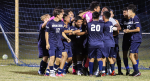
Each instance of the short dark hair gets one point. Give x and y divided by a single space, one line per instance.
106 14
132 7
65 15
57 12
59 7
68 10
125 9
95 15
93 5
77 18
107 8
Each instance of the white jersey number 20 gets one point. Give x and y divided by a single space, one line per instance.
95 27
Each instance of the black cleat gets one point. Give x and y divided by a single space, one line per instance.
120 73
85 71
135 74
128 72
99 74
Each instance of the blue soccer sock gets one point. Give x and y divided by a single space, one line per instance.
79 65
91 67
112 67
100 63
60 71
65 66
125 60
137 61
47 72
135 67
103 69
43 66
55 67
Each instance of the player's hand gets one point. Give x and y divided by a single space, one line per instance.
68 40
47 46
126 31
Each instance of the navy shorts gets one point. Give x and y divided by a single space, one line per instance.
134 47
107 51
126 43
42 51
95 52
55 51
114 51
69 51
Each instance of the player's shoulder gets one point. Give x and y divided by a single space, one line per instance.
136 18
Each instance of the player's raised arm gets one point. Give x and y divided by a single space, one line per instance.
45 18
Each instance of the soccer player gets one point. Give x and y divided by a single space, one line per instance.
94 6
43 53
95 42
126 39
116 49
109 43
78 44
67 51
53 35
136 37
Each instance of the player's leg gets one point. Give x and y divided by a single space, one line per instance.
69 59
104 66
74 61
125 47
118 60
51 63
43 64
91 53
136 57
100 62
133 50
57 62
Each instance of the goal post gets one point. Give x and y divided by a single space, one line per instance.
17 30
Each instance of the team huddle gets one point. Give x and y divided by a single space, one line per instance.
88 42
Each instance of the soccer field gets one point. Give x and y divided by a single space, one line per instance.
17 73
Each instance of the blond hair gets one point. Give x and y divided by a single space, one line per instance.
44 16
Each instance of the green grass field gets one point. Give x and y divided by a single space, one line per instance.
18 73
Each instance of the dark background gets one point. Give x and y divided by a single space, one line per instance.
31 10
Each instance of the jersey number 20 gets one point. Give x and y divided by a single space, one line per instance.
95 27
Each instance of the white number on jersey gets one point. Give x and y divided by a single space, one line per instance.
97 27
57 30
111 29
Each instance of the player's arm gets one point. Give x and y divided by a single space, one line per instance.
64 35
137 25
47 40
81 14
45 22
80 33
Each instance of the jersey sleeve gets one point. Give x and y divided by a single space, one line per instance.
40 27
47 29
113 21
137 22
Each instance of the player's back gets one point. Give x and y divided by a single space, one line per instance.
108 34
95 34
41 39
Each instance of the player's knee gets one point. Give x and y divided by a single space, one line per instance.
45 58
99 59
92 60
69 59
131 56
52 58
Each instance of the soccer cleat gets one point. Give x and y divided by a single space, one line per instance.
73 71
120 73
91 75
135 74
103 74
59 75
85 71
99 74
96 72
40 73
46 75
52 74
113 74
127 71
79 73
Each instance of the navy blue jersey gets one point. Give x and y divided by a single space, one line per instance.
124 25
133 23
41 39
68 45
108 34
95 34
55 30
